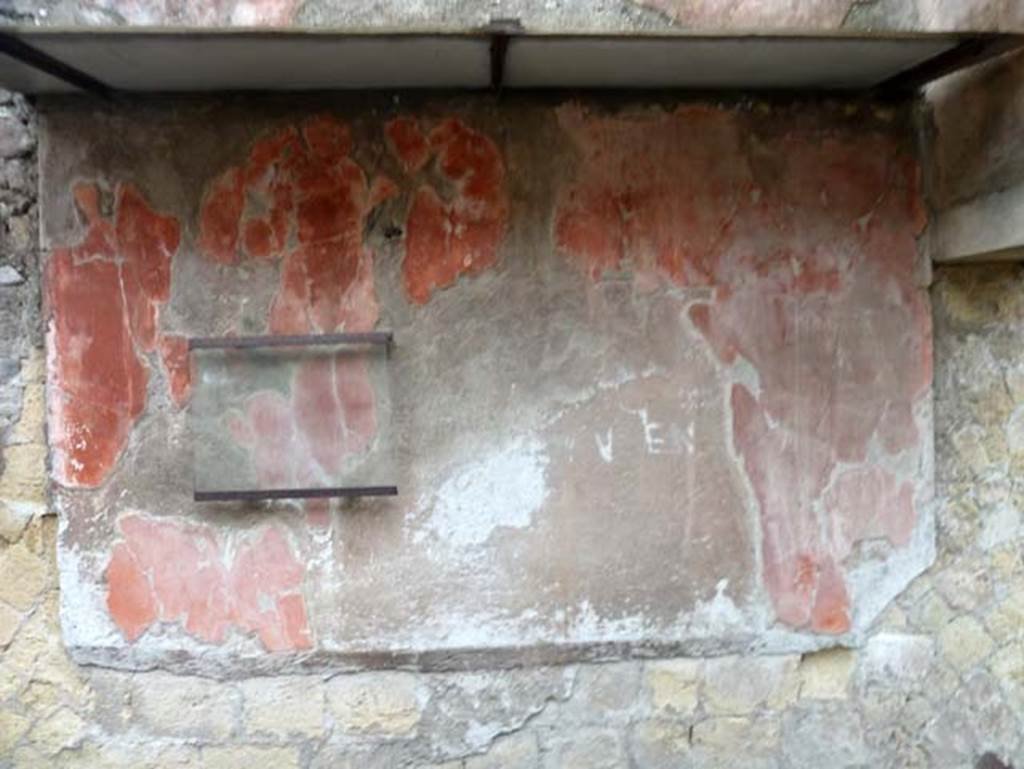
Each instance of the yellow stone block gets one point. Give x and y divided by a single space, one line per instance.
63 729
964 643
826 675
12 727
24 476
375 703
23 576
250 757
673 685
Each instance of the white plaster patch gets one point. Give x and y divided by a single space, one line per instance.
10 276
1001 525
588 626
1015 431
503 489
605 446
718 617
85 620
891 657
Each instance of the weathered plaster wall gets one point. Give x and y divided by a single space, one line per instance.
662 378
552 16
940 682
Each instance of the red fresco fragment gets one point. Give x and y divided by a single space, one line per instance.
301 183
221 213
655 192
447 239
302 439
311 192
408 143
177 365
787 476
258 238
831 610
166 570
129 598
104 296
381 190
812 263
870 503
328 139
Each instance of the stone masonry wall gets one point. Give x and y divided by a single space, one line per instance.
939 683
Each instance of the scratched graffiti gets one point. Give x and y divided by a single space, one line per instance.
797 261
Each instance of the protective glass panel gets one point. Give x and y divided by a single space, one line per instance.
292 417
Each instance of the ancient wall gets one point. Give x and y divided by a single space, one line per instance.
653 391
938 680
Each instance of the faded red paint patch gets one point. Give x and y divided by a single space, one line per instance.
166 570
104 296
408 143
659 193
177 365
447 239
300 184
812 263
220 217
129 594
870 503
327 282
246 211
303 439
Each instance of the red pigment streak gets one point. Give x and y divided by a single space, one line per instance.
177 366
447 239
408 143
307 190
302 439
812 264
166 570
104 296
222 211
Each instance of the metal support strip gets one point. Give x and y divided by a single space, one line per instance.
499 51
318 493
501 31
23 52
310 340
966 54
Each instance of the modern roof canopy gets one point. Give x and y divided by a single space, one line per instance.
111 60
